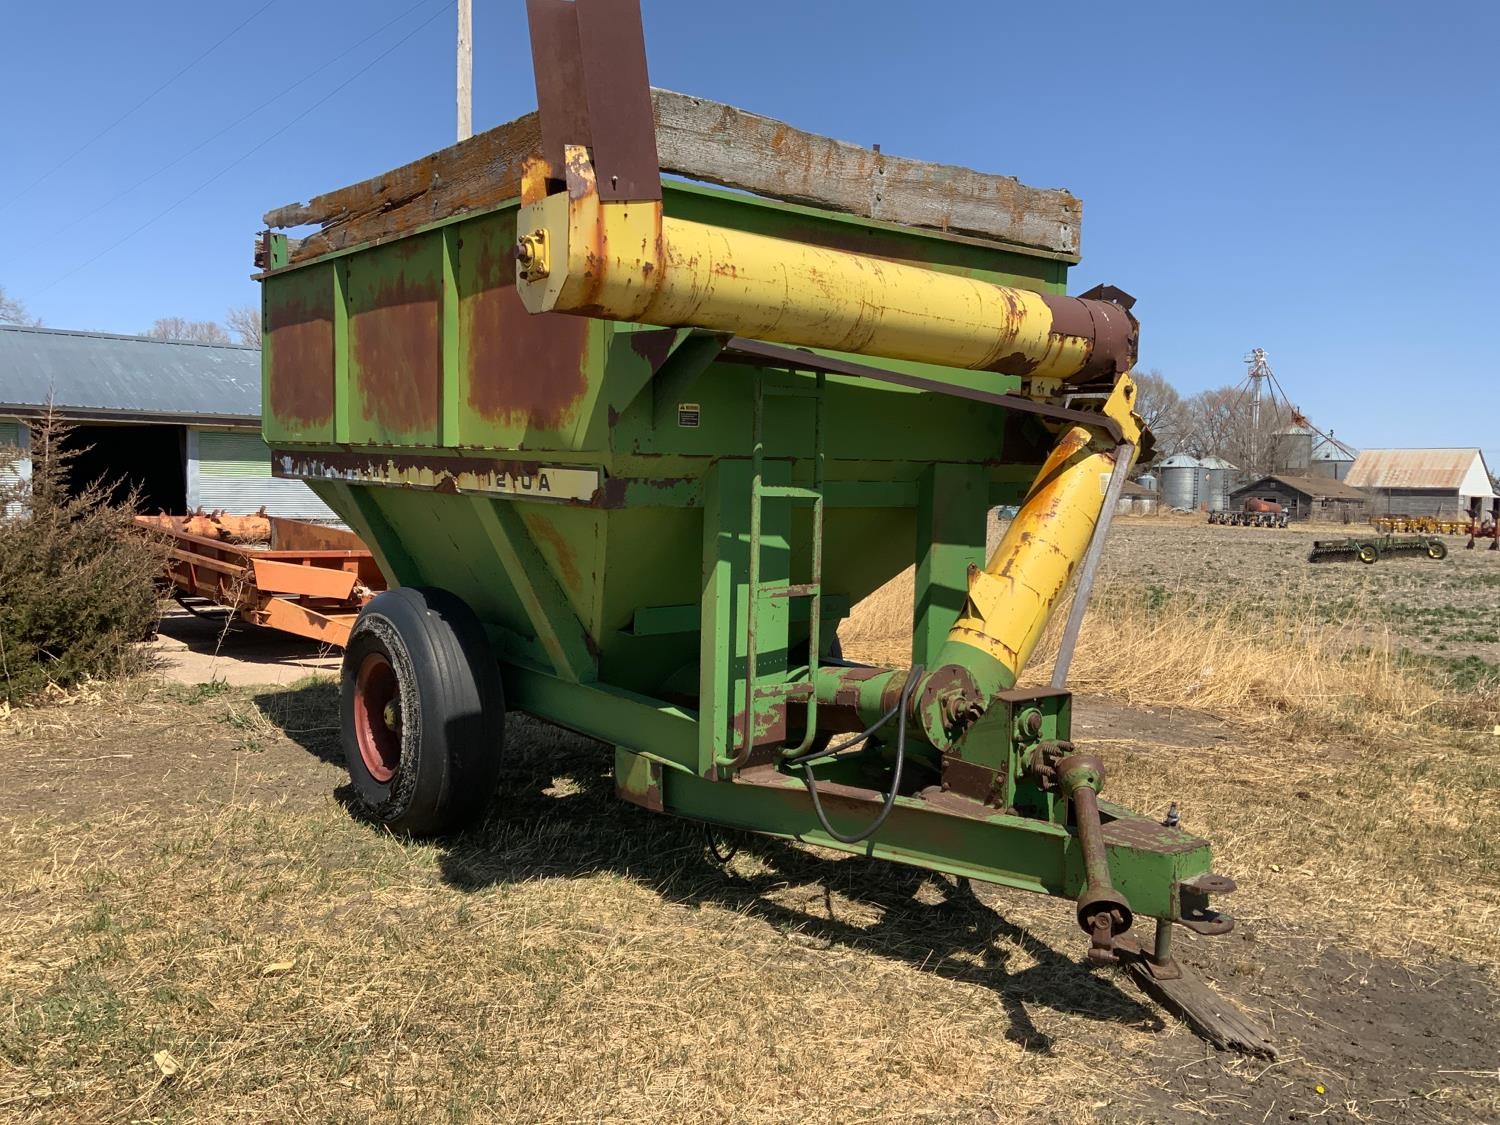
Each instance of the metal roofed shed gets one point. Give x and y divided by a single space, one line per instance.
1306 497
1424 482
180 421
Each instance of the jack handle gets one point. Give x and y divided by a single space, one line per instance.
1103 912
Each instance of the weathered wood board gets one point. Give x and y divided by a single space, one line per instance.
718 144
721 144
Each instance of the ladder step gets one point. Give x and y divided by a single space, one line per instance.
787 492
788 590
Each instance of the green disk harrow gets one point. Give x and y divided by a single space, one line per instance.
1374 548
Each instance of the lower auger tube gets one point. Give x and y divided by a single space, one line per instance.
899 713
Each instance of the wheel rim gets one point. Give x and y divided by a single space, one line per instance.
377 716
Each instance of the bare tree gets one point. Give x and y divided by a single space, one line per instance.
13 311
244 322
189 331
1219 424
1161 408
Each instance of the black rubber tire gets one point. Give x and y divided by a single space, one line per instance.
451 719
1437 549
1367 553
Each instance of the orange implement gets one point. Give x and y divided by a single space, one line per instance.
303 578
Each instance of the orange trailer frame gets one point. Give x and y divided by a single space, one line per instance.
311 581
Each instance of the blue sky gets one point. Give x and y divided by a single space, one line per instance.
1317 179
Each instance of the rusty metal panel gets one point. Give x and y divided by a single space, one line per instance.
299 357
613 51
1443 469
558 66
589 59
276 577
304 621
395 369
526 378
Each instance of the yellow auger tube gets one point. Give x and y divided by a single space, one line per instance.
1011 600
626 261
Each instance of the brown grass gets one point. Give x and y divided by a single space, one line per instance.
1274 659
576 960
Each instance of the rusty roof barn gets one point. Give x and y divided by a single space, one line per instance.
1424 482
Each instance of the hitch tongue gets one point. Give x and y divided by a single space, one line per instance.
1103 912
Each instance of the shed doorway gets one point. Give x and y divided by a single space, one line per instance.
150 458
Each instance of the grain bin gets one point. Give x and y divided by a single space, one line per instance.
1332 459
1180 481
1291 449
1214 482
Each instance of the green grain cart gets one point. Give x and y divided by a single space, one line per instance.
628 449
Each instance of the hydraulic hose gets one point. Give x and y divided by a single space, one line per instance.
899 712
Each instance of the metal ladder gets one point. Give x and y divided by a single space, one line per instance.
756 589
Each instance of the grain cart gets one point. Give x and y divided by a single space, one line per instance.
627 449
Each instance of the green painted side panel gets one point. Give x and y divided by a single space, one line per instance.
395 357
951 525
624 615
525 382
298 355
571 544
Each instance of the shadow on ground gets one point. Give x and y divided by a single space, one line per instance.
307 712
556 815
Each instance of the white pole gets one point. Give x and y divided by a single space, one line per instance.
465 69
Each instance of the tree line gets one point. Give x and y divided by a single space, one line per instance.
241 320
1214 423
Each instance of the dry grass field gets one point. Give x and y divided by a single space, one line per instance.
194 928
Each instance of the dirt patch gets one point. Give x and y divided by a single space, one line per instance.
171 748
1362 1039
191 649
1100 720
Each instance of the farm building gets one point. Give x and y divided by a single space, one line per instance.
1306 498
1424 482
1137 499
178 421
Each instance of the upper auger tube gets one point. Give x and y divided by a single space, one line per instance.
578 253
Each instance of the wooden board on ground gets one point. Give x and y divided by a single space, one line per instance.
715 143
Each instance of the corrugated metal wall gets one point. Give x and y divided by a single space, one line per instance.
231 470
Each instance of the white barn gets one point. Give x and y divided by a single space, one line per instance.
1424 482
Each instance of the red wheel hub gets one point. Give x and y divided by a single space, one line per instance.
377 716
